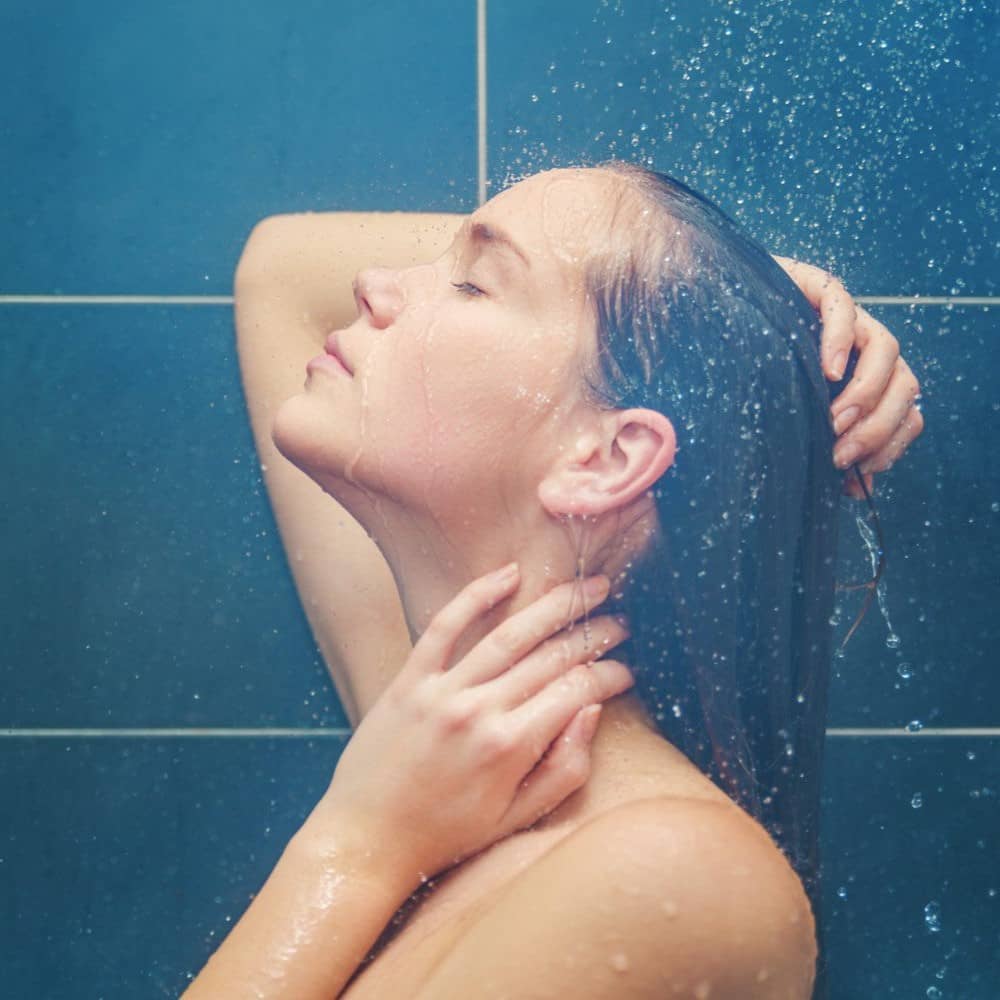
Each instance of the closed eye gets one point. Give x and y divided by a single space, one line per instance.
466 288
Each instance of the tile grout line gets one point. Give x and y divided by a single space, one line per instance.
321 733
481 96
227 300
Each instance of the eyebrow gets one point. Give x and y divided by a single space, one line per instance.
479 232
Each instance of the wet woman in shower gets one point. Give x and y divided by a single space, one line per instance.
599 378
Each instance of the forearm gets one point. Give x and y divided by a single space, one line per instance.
309 259
325 904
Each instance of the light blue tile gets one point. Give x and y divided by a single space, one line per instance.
141 142
856 135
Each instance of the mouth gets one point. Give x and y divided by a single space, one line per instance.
333 349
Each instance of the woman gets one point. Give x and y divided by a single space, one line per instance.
599 375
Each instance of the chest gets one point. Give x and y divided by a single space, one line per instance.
431 922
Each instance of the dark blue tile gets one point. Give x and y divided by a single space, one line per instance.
911 835
125 862
856 135
144 581
141 142
940 514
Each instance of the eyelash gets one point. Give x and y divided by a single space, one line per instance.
466 288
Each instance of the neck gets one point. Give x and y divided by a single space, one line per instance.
430 566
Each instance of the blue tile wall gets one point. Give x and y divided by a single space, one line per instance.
128 860
939 510
911 833
144 583
854 134
149 561
125 862
141 143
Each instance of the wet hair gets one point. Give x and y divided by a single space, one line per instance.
730 604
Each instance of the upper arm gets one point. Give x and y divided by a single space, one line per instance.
657 898
293 285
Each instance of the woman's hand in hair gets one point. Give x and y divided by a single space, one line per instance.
874 417
456 756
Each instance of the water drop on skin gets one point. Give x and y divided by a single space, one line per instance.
703 990
619 962
669 908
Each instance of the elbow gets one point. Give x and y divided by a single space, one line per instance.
260 253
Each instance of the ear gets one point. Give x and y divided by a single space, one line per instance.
610 465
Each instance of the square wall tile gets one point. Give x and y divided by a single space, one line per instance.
141 142
911 836
854 135
145 583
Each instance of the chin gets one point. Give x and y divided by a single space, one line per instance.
302 434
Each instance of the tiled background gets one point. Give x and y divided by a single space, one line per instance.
146 606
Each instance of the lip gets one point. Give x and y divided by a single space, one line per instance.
333 349
328 363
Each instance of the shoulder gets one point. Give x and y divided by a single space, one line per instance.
654 898
707 896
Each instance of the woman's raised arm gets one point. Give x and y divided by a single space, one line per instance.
292 287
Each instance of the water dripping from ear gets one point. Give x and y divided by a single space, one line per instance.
577 532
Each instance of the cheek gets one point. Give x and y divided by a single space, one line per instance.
492 384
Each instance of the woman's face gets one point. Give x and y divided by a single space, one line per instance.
466 372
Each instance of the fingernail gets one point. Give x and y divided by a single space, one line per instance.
839 364
589 725
845 419
597 586
507 573
844 454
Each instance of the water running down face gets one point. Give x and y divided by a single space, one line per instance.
466 401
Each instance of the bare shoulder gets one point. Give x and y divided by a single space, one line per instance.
657 897
708 877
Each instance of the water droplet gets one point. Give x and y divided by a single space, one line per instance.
619 962
669 908
892 640
914 727
932 916
842 892
905 671
917 801
934 993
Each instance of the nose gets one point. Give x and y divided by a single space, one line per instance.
379 295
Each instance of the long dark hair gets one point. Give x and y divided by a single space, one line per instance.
730 606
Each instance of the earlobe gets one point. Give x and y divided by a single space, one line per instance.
608 470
